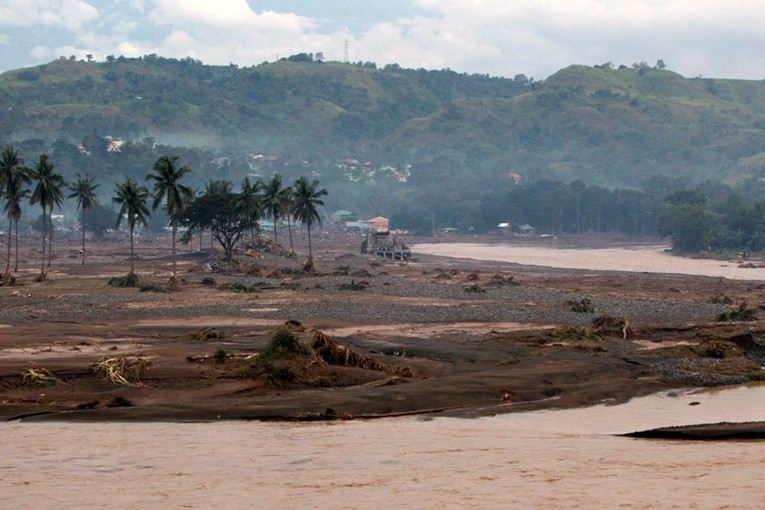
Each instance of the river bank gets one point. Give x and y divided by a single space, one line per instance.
477 337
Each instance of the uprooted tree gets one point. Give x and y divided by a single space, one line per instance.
214 212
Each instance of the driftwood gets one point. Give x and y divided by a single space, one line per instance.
328 351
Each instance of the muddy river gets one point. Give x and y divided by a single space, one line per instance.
548 459
649 259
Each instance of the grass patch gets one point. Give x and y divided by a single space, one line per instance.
206 335
40 377
240 288
573 334
503 281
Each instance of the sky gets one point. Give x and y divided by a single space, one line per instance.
709 38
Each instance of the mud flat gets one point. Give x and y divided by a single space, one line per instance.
708 432
463 337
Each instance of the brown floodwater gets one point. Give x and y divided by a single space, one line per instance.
546 459
649 259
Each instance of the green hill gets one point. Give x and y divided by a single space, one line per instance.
611 127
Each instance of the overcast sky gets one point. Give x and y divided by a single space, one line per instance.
712 38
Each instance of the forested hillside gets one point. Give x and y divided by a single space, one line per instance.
603 125
416 143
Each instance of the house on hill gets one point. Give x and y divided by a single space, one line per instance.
342 216
379 224
524 230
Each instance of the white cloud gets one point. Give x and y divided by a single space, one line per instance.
502 37
4 40
539 37
70 14
228 31
41 53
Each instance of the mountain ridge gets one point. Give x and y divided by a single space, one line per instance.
607 126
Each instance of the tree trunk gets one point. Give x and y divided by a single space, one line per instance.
289 227
276 247
16 260
175 230
82 226
132 254
45 232
310 250
8 262
50 236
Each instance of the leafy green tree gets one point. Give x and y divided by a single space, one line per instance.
13 176
13 210
685 217
307 200
251 205
84 191
177 196
213 211
48 193
212 187
99 219
274 198
132 199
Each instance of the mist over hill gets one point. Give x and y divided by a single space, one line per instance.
388 140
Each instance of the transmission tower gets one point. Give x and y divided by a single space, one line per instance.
345 53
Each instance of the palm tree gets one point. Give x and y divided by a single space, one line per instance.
307 199
13 175
177 196
132 199
13 210
47 193
288 205
216 186
249 202
84 190
274 198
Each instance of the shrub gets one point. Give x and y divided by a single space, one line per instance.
583 305
153 288
283 345
354 285
219 356
131 280
741 314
